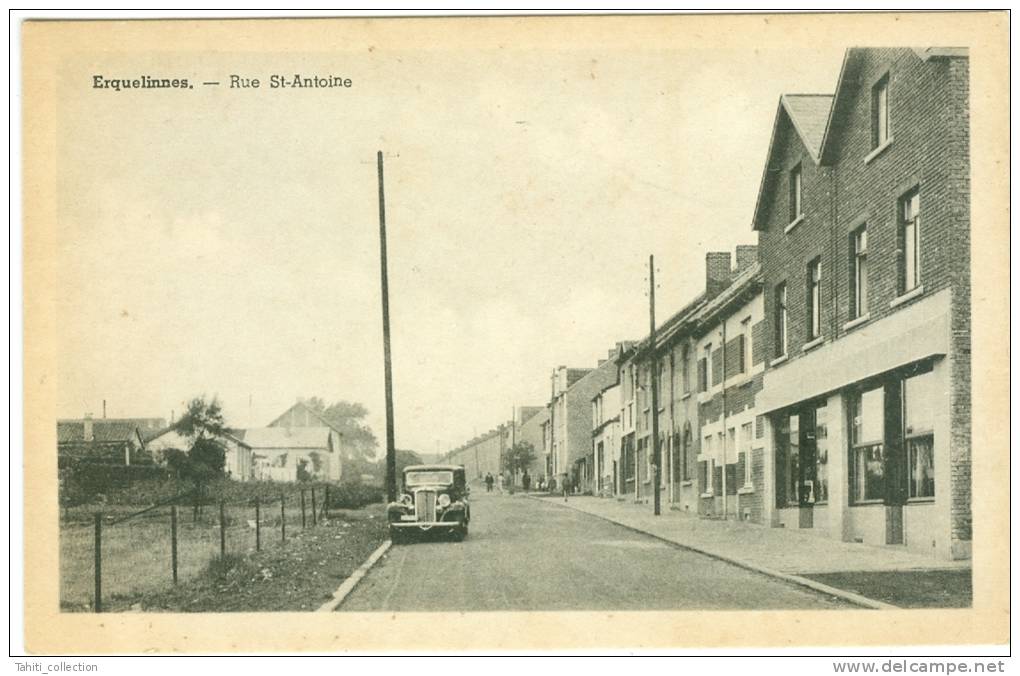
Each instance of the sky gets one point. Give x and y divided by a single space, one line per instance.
225 242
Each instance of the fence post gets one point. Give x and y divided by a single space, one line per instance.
283 518
223 530
258 526
98 600
315 519
173 541
302 509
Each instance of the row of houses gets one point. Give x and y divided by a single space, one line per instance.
821 380
299 444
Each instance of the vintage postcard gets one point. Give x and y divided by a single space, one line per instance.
515 333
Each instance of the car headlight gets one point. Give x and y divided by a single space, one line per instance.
406 500
444 500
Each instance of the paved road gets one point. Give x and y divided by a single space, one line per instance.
523 554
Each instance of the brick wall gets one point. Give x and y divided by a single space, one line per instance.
738 398
929 125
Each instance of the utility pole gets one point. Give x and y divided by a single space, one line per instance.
391 452
657 450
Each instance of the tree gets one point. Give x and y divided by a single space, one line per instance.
518 457
348 418
204 425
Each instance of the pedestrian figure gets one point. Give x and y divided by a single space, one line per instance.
526 481
488 482
566 488
501 482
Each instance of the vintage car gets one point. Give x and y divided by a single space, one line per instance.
434 498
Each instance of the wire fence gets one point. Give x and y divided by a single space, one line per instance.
173 540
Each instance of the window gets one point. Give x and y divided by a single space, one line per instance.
867 470
918 423
821 454
814 298
685 368
859 272
796 208
663 384
788 461
910 237
703 369
780 319
685 449
745 441
745 346
880 112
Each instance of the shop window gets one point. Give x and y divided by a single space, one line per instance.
918 434
867 465
788 461
821 454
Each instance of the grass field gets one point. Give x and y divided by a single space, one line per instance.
136 558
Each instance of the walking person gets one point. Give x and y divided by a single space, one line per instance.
500 483
526 481
488 482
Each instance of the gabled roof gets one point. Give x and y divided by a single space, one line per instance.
171 435
107 430
847 71
322 420
286 437
808 115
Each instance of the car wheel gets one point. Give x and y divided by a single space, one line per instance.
460 532
397 536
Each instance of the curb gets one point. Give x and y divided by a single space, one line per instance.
856 599
352 581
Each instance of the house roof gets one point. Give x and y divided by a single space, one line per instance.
315 414
285 437
106 430
748 279
809 116
172 435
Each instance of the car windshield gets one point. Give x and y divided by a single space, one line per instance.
425 477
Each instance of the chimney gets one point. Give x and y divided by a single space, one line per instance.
88 434
104 409
747 254
717 272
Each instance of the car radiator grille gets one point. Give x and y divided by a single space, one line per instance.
425 505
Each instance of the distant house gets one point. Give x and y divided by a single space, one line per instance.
238 463
119 441
292 453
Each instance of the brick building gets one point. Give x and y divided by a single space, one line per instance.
710 356
864 234
484 453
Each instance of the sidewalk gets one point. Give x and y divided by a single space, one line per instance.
778 549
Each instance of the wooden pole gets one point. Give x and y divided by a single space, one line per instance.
657 448
303 524
258 526
391 453
173 541
315 519
223 530
283 518
97 602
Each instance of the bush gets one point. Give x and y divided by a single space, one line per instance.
85 482
354 495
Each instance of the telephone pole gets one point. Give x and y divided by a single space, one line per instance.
391 452
657 450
